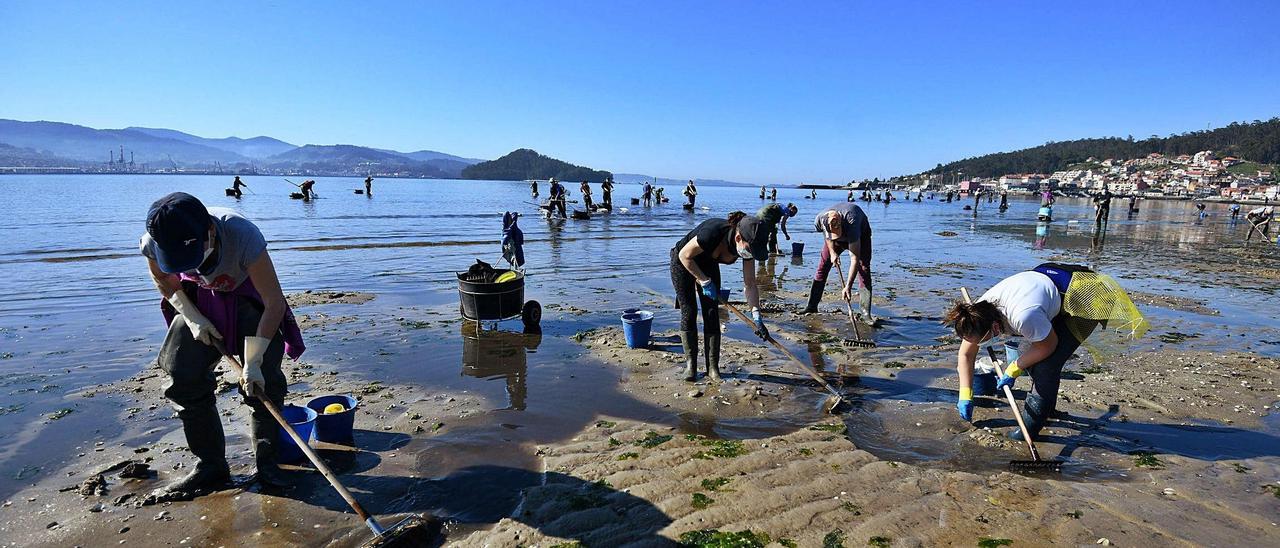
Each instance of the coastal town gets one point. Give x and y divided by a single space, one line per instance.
1200 176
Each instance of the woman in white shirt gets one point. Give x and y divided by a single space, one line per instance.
1025 307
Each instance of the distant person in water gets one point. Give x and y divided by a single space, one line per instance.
305 187
1260 220
1102 206
773 194
646 194
1046 198
849 198
1235 211
844 226
695 276
368 186
888 196
533 187
1004 200
775 216
585 189
556 198
606 192
1133 204
220 288
691 192
813 194
950 195
235 187
762 192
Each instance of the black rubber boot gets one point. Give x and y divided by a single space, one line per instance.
266 448
690 358
203 429
712 354
815 296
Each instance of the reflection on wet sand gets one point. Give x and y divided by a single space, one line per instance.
502 355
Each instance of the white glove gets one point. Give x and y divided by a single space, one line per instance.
201 328
251 379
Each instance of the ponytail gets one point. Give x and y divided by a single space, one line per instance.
973 321
735 217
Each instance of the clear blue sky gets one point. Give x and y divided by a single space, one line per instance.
748 91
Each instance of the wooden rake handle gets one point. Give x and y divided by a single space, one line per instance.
1008 392
303 445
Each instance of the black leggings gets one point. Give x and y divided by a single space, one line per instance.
688 297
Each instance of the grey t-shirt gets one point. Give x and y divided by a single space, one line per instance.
239 245
852 216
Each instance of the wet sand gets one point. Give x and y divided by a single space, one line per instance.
754 453
523 440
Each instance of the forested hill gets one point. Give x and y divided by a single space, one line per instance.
523 164
1258 141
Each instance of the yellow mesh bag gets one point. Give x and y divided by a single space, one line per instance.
1095 299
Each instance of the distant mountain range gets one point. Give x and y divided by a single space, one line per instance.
523 164
56 144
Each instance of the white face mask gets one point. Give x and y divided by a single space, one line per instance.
745 253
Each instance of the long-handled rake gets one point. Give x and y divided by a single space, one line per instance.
411 531
833 401
860 341
1036 464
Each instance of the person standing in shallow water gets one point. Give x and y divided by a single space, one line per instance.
533 188
368 186
235 187
774 215
606 193
305 187
212 268
695 276
691 192
844 226
585 189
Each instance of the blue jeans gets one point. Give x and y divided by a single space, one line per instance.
1046 377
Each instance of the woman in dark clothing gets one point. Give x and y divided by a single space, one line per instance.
695 275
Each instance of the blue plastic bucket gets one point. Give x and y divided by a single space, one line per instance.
636 327
1011 353
335 427
303 421
984 384
797 248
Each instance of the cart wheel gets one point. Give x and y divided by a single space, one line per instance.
532 315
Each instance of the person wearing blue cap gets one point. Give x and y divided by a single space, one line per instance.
695 275
212 268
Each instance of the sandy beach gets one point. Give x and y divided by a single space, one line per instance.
568 436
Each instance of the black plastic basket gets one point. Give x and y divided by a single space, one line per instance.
483 300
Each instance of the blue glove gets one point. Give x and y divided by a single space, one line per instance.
1011 375
965 407
761 330
1005 381
711 291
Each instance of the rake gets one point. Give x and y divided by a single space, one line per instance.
1036 464
860 341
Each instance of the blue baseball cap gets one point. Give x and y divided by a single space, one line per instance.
179 225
